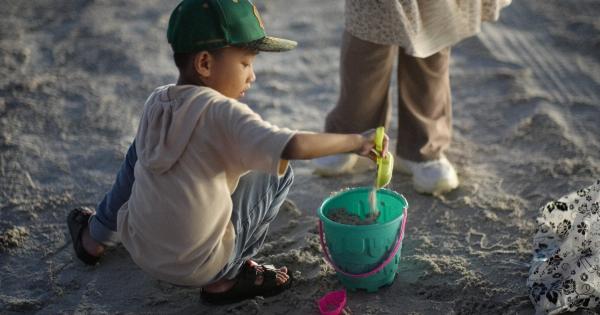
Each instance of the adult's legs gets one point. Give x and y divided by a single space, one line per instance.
103 224
256 202
424 106
425 122
365 74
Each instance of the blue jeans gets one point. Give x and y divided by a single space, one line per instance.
103 225
256 202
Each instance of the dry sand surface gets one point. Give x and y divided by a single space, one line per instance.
75 74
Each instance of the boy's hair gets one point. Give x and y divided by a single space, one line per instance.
182 60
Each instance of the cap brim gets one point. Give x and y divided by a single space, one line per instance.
273 44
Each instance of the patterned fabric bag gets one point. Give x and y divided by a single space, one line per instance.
565 270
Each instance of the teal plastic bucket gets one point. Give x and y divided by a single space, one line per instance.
364 256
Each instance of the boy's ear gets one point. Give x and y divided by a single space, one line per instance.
203 62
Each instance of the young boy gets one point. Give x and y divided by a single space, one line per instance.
205 175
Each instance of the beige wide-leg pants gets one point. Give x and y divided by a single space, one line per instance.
424 102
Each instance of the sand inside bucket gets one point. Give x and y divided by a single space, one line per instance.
342 216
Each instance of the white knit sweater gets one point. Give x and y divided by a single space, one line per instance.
421 27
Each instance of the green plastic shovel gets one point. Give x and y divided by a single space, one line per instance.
385 160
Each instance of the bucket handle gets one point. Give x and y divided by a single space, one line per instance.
378 268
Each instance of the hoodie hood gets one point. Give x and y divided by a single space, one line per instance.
169 118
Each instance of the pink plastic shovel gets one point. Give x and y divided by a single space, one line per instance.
332 303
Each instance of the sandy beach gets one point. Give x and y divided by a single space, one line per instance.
74 78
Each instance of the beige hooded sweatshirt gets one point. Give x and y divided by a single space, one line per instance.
193 144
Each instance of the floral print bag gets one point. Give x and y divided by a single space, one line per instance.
565 270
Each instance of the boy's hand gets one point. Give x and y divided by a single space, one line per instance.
368 144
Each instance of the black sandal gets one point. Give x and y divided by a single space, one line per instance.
245 287
77 221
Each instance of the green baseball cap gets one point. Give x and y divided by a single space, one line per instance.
197 25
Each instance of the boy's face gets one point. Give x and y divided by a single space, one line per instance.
230 71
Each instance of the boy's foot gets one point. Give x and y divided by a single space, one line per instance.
334 165
87 250
430 177
253 280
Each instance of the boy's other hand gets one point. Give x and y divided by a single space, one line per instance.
368 144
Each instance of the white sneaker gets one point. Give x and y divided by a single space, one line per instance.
430 177
334 165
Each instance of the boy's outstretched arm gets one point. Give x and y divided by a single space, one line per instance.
304 145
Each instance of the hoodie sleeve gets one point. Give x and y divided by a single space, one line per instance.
254 144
